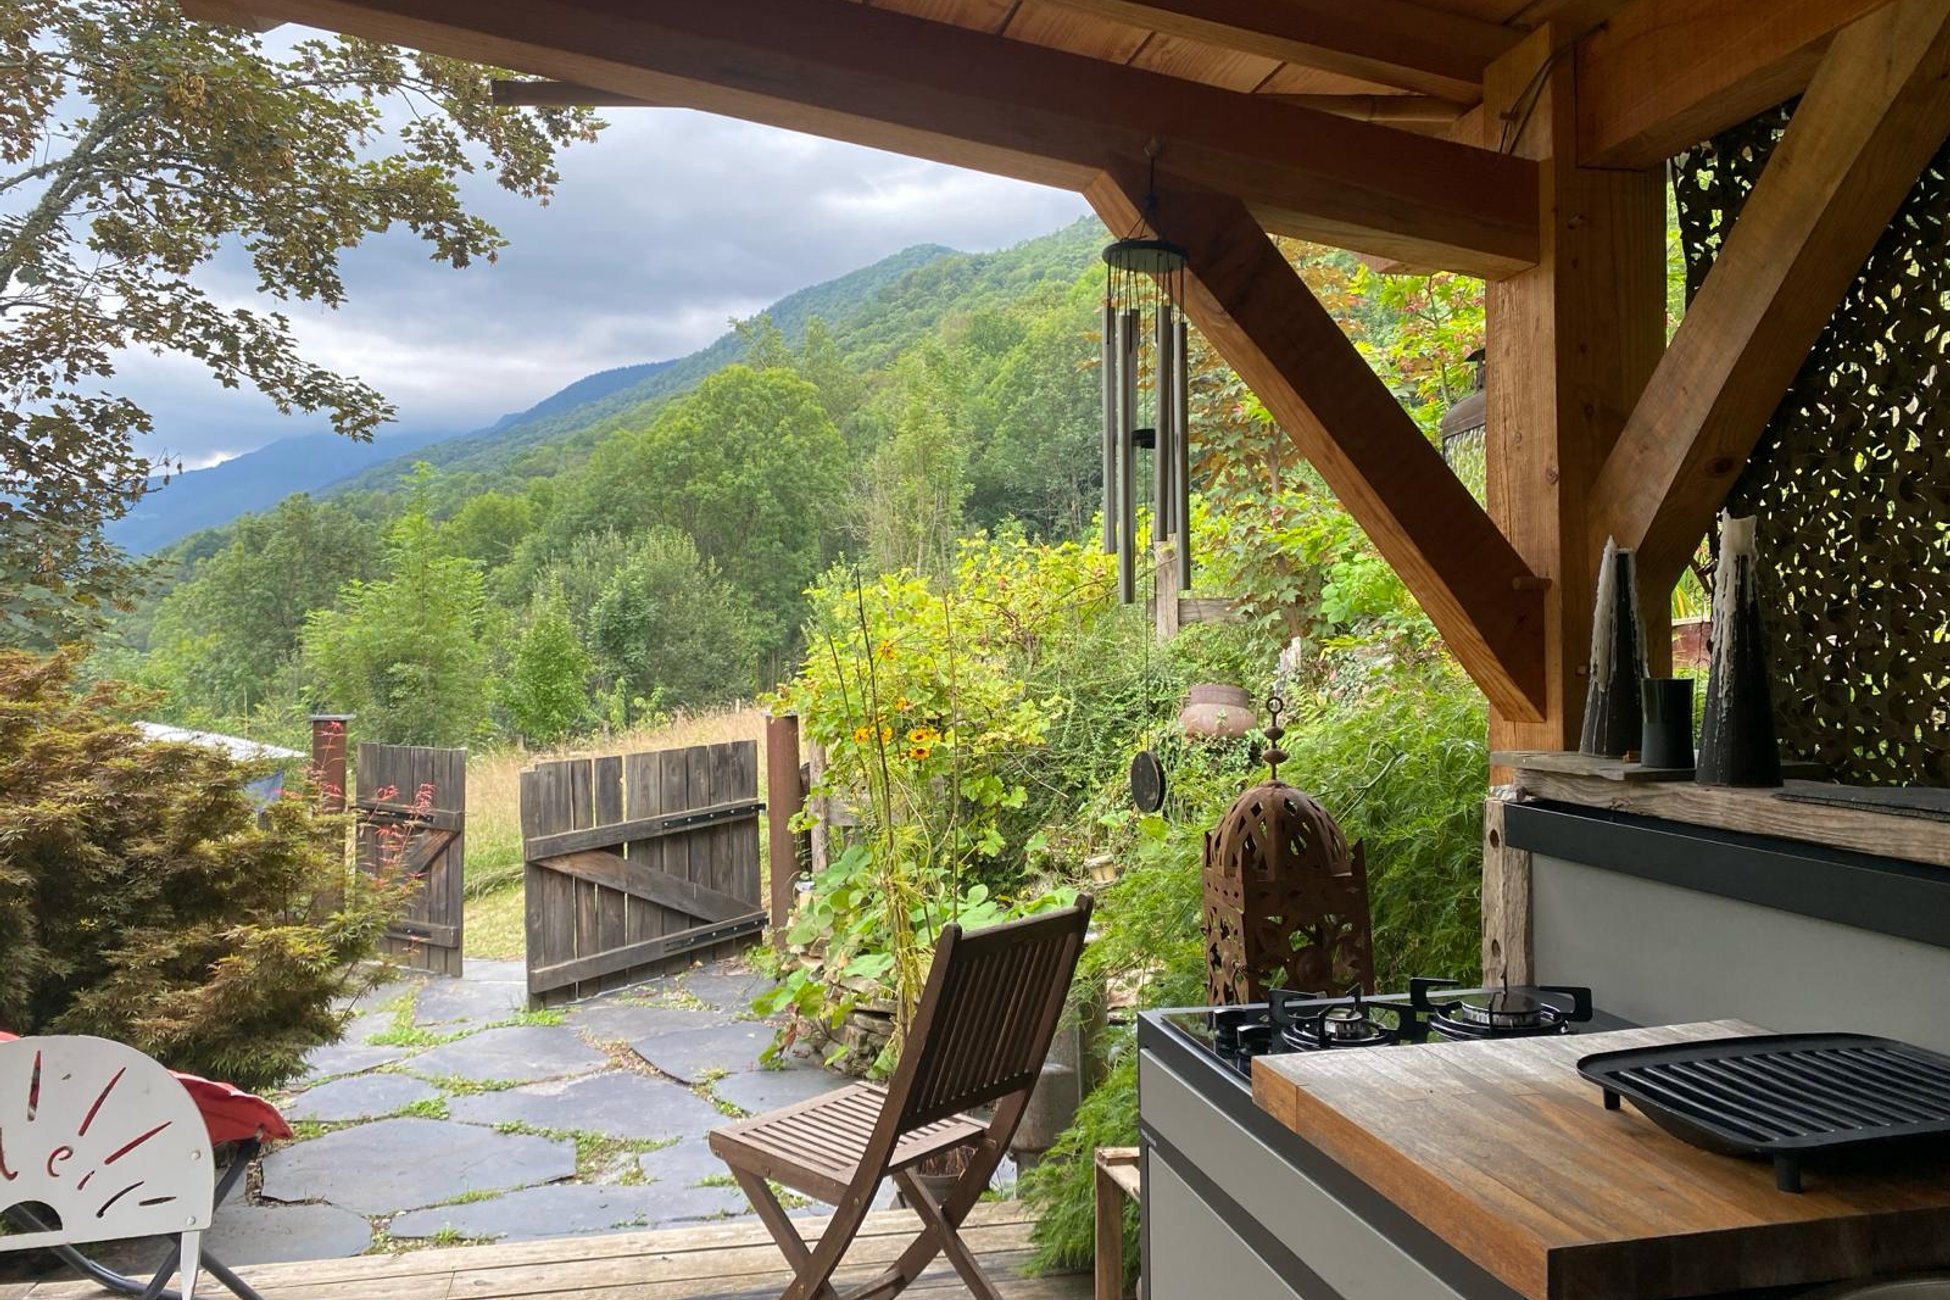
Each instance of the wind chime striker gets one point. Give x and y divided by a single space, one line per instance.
1143 332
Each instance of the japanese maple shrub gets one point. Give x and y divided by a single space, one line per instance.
144 898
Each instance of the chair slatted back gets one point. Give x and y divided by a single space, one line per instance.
988 1014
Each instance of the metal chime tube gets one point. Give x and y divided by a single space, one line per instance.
1110 393
1127 406
1163 458
1181 446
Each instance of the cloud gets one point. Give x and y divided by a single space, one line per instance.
672 223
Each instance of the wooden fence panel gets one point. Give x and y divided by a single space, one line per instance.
638 863
431 842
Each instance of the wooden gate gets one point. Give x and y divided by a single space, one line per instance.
412 813
637 863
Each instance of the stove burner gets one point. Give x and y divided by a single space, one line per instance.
1313 1025
1498 1013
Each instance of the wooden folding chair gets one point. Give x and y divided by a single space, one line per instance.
979 1036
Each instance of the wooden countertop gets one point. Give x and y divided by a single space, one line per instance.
1503 1151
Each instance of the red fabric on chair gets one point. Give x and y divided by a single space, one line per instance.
230 1113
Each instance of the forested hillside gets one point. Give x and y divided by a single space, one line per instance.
643 541
647 533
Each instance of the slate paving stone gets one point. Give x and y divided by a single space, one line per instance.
404 1164
449 1004
726 985
624 1022
616 1104
510 971
350 1058
522 1053
758 1091
363 1096
569 1210
683 1165
687 1204
276 1234
687 1054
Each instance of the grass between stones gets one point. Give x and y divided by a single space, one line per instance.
596 1153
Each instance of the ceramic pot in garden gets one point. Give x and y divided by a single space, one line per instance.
1216 712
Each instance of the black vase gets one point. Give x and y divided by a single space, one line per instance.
1737 745
1612 716
1668 717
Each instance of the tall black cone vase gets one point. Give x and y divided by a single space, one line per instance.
1614 717
1737 745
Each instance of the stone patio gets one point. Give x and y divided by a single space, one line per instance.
450 1113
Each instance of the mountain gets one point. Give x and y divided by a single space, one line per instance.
872 313
594 403
257 480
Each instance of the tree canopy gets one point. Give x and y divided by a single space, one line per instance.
136 145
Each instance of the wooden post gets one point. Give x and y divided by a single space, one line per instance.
785 795
1571 344
1506 904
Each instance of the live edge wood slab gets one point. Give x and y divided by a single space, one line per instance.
1503 1151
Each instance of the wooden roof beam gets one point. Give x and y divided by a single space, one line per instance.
1254 308
510 93
879 78
1875 114
1663 75
1391 42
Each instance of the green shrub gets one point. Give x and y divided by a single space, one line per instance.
143 898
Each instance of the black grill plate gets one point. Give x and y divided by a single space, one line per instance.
1783 1097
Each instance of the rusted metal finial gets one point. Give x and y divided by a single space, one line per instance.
1274 755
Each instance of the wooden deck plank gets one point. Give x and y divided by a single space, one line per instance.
718 1262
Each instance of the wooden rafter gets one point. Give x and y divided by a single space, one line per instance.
924 88
1387 41
1662 75
1254 308
1877 110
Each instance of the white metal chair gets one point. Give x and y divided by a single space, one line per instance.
100 1143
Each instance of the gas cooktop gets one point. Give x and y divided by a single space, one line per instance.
1431 1011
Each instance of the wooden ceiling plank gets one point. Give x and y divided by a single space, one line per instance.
977 100
1663 75
1876 112
1388 41
1254 308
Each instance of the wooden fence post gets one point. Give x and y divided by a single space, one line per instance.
785 795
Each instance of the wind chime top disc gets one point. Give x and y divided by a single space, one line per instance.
1146 256
1147 782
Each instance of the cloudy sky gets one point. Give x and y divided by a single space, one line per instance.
672 223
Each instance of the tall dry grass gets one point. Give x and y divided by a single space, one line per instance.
494 784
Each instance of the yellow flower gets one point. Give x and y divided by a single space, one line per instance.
922 735
886 734
886 649
861 735
903 704
919 753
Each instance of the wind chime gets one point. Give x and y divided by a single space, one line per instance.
1143 278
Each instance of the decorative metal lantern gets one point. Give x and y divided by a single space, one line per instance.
1286 900
1140 276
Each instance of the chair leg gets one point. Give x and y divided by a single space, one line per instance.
983 1157
946 1236
780 1225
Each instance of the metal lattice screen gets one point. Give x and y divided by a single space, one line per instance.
1851 484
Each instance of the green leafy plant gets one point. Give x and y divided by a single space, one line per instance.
145 897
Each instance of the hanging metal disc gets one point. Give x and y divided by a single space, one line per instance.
1146 256
1147 782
